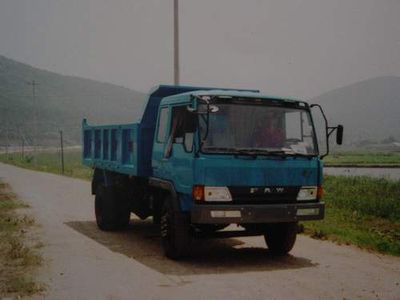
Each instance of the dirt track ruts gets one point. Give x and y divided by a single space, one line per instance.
84 263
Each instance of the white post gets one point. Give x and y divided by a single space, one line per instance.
176 42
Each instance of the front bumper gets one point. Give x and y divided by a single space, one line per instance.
273 213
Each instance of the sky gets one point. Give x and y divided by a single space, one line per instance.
299 48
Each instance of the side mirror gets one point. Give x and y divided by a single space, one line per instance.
213 108
339 134
329 130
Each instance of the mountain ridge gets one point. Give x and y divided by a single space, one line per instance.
61 102
369 109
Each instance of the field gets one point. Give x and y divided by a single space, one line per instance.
50 162
361 211
363 159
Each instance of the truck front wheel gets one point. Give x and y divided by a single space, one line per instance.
175 231
111 210
280 237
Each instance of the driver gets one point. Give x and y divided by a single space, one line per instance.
219 128
269 133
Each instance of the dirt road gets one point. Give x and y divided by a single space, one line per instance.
84 263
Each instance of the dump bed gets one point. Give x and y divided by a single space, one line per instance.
111 147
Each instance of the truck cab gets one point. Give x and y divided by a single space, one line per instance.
208 158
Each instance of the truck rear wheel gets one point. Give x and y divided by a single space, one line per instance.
210 228
175 231
280 237
111 209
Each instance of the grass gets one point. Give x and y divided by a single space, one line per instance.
376 197
361 211
50 162
18 256
363 158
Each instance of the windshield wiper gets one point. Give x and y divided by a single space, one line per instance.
299 154
281 152
291 152
256 151
222 149
235 151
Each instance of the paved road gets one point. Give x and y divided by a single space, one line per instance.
84 263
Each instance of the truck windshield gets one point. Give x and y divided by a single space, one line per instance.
257 130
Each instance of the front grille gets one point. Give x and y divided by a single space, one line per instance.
263 195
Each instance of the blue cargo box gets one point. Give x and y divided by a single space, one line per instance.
111 147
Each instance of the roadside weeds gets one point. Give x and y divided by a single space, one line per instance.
19 252
361 211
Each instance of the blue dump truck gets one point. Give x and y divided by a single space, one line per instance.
201 159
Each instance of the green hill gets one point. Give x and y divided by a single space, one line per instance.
61 103
369 110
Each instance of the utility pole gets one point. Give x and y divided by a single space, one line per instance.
22 142
62 152
176 42
7 132
35 112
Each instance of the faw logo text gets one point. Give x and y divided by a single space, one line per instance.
268 190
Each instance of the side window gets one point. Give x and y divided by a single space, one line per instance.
162 125
182 128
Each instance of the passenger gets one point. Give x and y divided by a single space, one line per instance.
269 134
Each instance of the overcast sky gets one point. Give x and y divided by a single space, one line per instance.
287 47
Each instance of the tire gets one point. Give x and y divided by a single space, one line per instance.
280 237
157 209
175 231
111 209
211 228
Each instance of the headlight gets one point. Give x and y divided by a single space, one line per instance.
211 193
217 193
307 193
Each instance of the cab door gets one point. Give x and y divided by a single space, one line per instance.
178 155
160 141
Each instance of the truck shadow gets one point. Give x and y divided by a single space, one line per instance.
141 241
